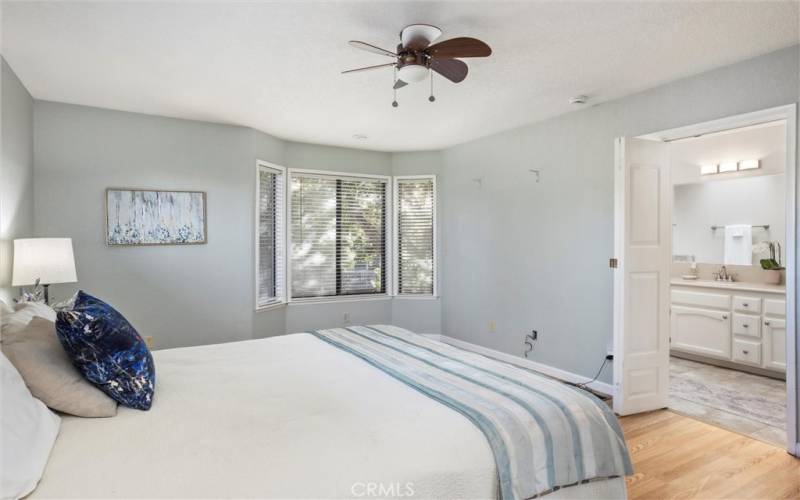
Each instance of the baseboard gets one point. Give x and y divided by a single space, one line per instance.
548 370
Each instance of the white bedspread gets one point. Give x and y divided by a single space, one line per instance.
287 417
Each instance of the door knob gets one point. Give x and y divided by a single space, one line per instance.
724 316
745 351
766 323
746 325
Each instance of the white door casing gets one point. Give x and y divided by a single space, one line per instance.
643 199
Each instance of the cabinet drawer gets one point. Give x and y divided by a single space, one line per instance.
775 307
701 299
747 304
748 352
744 324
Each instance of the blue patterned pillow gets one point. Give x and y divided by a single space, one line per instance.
108 351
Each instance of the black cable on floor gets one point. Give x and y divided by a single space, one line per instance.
583 385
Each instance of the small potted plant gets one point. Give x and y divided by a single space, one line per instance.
771 265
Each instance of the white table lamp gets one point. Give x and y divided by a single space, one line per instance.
48 260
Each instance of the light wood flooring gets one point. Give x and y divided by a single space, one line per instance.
677 457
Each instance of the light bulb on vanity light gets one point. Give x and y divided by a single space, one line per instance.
749 164
727 166
708 169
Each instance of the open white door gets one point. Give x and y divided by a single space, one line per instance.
643 202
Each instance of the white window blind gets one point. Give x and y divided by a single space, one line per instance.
416 206
269 254
338 235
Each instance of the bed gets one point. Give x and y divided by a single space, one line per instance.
294 416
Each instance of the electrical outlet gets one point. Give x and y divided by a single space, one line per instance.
492 326
347 318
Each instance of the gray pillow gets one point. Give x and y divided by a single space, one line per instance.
36 353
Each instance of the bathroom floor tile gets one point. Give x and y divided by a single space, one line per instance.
742 402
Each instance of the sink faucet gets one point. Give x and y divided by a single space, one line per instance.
722 274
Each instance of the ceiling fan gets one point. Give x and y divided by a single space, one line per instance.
416 57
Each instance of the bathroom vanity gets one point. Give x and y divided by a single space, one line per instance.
738 325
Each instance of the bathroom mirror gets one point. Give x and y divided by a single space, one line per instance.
729 179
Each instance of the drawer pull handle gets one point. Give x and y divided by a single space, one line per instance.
745 325
745 304
766 323
724 316
745 351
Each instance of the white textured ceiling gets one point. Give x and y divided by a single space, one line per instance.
275 66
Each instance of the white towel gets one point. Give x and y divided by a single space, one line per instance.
739 245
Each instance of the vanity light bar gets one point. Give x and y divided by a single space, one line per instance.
729 166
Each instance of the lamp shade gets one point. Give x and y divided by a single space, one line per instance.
50 260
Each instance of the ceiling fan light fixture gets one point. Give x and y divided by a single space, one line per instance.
412 73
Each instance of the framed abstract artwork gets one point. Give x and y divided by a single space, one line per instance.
155 217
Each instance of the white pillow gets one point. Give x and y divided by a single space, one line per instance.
24 312
28 431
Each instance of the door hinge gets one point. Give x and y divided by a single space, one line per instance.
613 263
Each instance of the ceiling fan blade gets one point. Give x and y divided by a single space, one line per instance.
367 68
371 48
452 69
399 84
459 47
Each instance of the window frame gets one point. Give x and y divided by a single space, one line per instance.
388 226
280 238
396 238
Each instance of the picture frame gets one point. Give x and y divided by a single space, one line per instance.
155 217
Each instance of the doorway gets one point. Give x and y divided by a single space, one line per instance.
687 339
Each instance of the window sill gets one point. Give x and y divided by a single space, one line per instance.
269 307
417 297
340 298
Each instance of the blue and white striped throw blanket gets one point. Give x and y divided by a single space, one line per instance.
544 434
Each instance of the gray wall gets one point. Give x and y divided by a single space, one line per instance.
535 256
183 295
16 172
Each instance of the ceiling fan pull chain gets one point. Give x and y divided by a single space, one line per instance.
394 89
431 98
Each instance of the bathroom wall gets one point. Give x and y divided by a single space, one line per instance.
758 200
766 142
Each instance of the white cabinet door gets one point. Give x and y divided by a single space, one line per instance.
774 344
701 331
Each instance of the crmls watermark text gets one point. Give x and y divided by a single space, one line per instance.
382 490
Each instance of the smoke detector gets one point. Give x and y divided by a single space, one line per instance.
579 99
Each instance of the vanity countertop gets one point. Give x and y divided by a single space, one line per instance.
735 285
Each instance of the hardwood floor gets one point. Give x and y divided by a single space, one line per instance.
677 457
